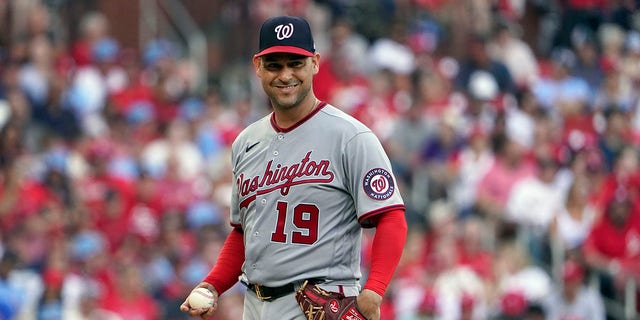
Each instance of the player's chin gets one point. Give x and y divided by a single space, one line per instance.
287 102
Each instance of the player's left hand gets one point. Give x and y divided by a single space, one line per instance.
369 304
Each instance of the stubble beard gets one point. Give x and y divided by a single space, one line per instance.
282 103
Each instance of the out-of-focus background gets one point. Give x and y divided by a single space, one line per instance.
513 127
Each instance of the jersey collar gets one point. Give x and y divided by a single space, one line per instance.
297 124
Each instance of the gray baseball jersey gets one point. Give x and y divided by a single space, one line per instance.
302 194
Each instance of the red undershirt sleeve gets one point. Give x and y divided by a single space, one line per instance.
388 243
228 267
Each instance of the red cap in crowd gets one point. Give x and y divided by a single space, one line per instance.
513 303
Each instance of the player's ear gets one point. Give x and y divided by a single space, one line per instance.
316 63
257 61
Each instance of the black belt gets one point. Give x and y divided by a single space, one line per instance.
265 293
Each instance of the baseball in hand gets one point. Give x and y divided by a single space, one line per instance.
201 298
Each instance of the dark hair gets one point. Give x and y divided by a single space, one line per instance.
535 309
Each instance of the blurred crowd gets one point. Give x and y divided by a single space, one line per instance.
513 127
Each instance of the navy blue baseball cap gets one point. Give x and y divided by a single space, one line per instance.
286 34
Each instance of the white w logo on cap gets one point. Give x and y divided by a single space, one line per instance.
284 31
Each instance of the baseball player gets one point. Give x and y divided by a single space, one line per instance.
308 178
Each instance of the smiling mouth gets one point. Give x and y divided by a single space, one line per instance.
287 89
291 86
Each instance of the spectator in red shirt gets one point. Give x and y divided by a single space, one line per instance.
472 248
94 187
22 196
624 175
613 246
340 77
129 299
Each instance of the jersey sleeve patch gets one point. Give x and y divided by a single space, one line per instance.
378 184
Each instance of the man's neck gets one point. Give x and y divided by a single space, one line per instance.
288 117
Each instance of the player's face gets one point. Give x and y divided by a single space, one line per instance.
286 78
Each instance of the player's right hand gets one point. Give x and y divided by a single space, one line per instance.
201 313
369 304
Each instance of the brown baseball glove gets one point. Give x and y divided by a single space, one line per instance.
319 304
